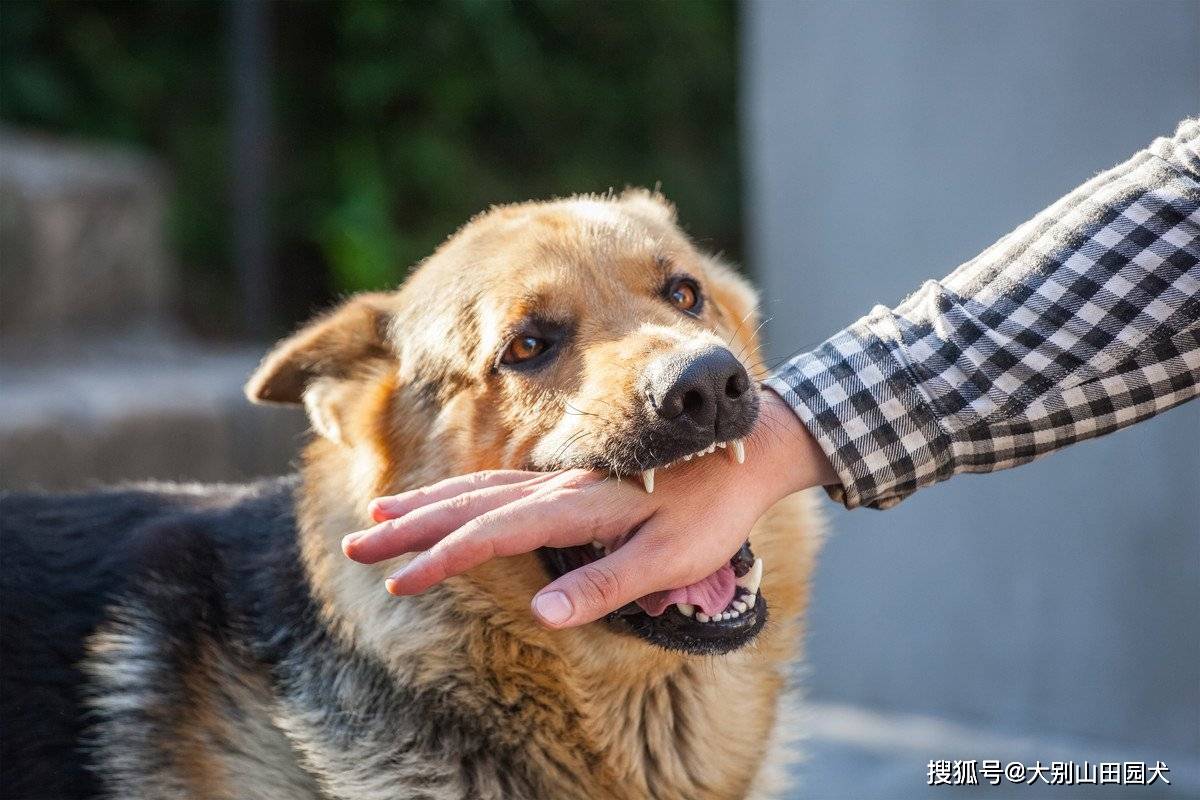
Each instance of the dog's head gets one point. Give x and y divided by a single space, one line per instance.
587 332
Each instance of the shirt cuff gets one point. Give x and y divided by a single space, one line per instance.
861 403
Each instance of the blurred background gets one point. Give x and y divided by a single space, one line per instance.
183 182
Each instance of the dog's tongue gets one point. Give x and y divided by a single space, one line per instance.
711 595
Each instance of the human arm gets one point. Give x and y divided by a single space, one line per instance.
1082 321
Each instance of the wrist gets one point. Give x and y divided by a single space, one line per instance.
793 460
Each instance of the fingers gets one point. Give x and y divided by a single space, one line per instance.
558 518
636 569
382 508
424 525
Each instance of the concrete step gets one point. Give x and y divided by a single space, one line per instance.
136 409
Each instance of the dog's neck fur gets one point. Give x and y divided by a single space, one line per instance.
603 712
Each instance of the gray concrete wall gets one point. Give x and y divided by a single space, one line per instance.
887 142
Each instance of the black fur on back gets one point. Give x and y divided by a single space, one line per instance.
196 555
208 566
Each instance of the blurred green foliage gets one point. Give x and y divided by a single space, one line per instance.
393 122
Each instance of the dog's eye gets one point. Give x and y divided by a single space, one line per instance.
684 294
522 349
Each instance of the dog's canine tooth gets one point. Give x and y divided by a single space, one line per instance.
648 480
738 451
752 579
687 609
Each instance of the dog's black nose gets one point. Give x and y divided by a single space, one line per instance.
706 390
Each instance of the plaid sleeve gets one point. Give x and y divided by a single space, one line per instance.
1083 320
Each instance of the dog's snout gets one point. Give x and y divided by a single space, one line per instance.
701 390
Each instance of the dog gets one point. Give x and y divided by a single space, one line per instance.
213 642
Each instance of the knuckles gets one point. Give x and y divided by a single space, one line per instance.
599 586
480 480
575 479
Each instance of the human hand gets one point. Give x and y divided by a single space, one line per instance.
698 516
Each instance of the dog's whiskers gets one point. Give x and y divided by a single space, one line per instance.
571 441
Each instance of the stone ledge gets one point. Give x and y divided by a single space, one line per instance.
81 232
136 411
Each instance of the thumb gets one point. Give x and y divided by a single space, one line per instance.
601 587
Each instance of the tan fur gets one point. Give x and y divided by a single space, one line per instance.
401 388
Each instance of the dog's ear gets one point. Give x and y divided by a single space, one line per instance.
314 365
738 302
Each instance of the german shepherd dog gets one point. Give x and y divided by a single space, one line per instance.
169 641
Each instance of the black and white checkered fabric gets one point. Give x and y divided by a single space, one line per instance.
1082 321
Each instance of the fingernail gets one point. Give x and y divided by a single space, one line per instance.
378 509
386 504
351 538
553 607
392 582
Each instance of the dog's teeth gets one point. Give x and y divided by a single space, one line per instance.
751 580
702 617
648 480
687 609
688 457
596 545
739 605
722 445
737 451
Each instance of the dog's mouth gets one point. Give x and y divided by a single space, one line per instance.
717 614
735 447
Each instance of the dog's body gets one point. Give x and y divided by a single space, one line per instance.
214 642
